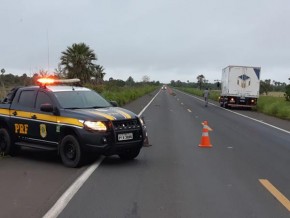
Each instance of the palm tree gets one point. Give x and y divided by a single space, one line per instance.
99 74
78 62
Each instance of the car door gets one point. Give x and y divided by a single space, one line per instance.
20 114
43 124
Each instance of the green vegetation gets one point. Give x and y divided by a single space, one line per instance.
274 106
124 95
287 93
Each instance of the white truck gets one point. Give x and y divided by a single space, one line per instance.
240 86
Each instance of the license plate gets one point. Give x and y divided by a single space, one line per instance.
125 136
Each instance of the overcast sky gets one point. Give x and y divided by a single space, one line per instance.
163 39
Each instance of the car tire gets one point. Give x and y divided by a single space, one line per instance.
129 154
6 144
70 151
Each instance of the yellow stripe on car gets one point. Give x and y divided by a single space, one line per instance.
23 114
72 121
4 111
124 114
59 120
104 115
45 117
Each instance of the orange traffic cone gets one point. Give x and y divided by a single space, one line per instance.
205 141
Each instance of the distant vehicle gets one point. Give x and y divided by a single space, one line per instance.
240 86
164 87
70 120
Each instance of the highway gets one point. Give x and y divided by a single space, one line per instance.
175 177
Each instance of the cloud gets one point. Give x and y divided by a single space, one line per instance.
164 39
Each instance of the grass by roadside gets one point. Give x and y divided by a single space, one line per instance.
274 106
124 95
270 105
274 94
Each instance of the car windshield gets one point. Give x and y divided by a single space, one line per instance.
81 99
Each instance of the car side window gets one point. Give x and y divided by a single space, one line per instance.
26 98
42 98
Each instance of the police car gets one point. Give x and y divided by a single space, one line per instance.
69 119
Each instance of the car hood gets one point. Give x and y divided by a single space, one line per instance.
102 114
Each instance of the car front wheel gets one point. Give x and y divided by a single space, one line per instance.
70 151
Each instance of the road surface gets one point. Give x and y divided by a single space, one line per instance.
176 178
173 178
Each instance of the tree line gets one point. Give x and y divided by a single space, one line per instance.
77 61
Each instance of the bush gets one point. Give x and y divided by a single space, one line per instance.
287 93
124 95
274 106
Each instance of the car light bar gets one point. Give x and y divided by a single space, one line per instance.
50 81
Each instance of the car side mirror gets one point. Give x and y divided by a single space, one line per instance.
114 103
46 107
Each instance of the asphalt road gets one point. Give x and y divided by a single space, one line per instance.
174 177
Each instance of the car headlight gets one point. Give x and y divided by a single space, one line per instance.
100 126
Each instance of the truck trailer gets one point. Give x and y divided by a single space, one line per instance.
240 86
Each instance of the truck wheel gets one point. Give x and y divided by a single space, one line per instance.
70 151
129 154
6 143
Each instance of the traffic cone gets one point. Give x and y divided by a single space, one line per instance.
205 141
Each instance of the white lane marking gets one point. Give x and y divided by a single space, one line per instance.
148 104
189 110
63 201
267 124
181 103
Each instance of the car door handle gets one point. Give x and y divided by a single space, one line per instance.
34 116
14 113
